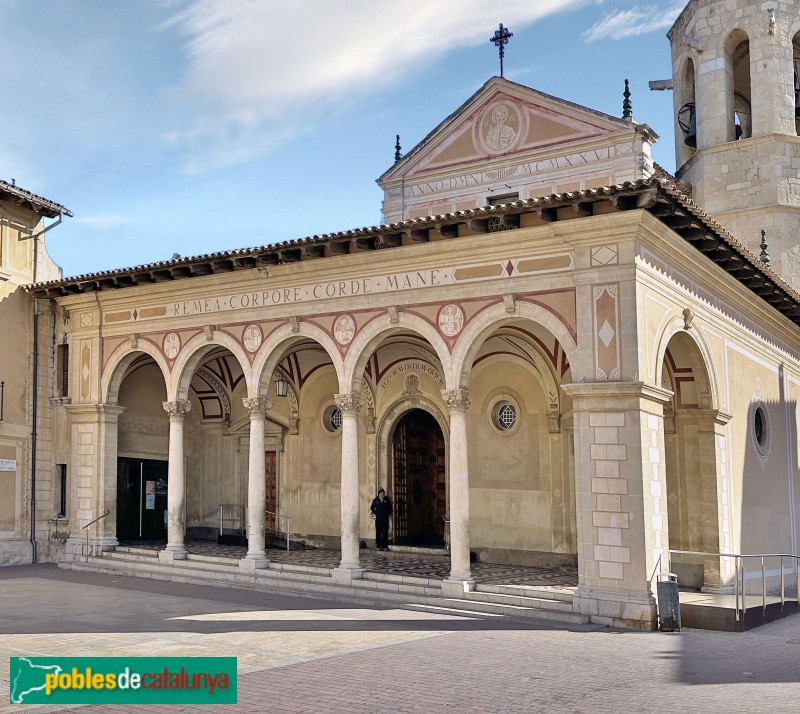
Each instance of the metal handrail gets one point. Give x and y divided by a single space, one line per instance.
288 520
241 517
84 527
740 571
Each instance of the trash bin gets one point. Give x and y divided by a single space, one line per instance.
669 604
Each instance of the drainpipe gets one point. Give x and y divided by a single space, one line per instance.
35 404
35 401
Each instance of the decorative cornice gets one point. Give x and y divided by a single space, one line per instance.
611 388
350 404
457 400
177 410
660 196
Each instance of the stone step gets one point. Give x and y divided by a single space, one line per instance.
295 568
127 555
134 549
443 552
439 610
544 592
406 579
312 585
520 601
519 612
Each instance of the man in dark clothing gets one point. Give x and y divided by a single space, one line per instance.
381 508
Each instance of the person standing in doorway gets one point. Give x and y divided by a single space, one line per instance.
381 508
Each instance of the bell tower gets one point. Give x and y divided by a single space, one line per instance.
735 70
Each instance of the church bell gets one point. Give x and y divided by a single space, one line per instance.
687 120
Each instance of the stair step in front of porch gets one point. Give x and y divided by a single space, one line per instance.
520 601
545 592
518 611
400 591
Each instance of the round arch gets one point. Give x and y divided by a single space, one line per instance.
192 354
274 348
483 326
702 364
118 364
370 338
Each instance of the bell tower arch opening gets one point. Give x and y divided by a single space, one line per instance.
739 91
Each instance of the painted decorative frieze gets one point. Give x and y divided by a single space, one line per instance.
606 328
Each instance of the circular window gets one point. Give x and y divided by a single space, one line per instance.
504 416
332 419
760 427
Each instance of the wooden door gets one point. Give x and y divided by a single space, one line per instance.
419 484
271 501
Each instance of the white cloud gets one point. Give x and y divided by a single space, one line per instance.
100 223
636 21
262 71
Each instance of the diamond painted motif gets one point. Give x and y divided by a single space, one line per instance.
606 334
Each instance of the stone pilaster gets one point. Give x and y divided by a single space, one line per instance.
93 459
176 484
620 485
256 487
349 567
458 402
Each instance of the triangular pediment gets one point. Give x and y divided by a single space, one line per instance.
504 119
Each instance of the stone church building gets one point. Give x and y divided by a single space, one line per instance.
552 353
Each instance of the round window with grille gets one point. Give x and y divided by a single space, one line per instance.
332 419
504 416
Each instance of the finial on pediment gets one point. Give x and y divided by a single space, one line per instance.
627 107
764 253
397 154
500 40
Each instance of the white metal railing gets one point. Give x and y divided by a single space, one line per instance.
741 574
85 527
279 517
232 519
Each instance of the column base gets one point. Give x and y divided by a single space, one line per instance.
457 584
631 609
252 562
172 553
345 574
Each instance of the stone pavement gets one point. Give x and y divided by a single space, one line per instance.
307 655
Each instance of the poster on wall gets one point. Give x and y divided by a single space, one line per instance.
150 495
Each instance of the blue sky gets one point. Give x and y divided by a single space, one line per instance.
191 126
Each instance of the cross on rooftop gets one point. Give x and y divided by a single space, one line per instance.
500 39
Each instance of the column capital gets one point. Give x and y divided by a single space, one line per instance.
350 404
178 409
457 400
257 406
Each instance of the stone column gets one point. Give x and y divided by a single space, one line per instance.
350 567
256 487
176 484
621 499
460 579
93 477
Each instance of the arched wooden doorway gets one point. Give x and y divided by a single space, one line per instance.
419 486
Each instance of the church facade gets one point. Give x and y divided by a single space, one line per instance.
548 354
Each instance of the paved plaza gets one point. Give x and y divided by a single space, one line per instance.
309 655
